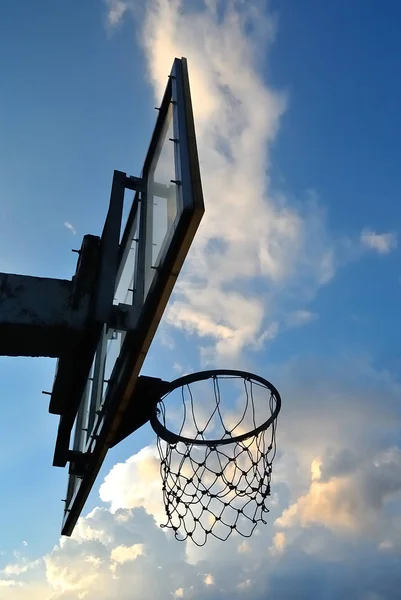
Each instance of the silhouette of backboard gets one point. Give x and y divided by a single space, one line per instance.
137 271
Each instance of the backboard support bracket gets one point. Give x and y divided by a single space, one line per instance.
124 317
145 397
80 462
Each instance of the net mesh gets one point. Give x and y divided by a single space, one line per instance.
216 471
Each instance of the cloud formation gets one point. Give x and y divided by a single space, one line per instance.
117 488
254 248
351 500
18 568
334 524
115 12
382 243
70 227
258 258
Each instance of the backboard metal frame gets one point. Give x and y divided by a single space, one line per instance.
103 407
74 363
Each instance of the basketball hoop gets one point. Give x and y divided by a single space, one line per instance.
216 441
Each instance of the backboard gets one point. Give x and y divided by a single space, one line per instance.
138 267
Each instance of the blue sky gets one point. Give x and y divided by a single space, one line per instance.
304 201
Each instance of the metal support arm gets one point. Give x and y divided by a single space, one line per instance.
40 316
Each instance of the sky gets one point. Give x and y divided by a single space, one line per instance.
294 274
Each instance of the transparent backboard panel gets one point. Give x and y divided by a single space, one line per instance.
161 216
115 340
80 432
106 356
129 197
161 212
81 423
111 340
126 276
162 199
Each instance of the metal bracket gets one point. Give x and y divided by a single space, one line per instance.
136 184
79 462
148 392
124 317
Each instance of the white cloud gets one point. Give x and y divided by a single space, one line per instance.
382 243
115 12
143 468
244 547
349 448
251 237
9 583
352 505
386 545
300 317
257 254
18 568
122 554
244 585
70 227
279 543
